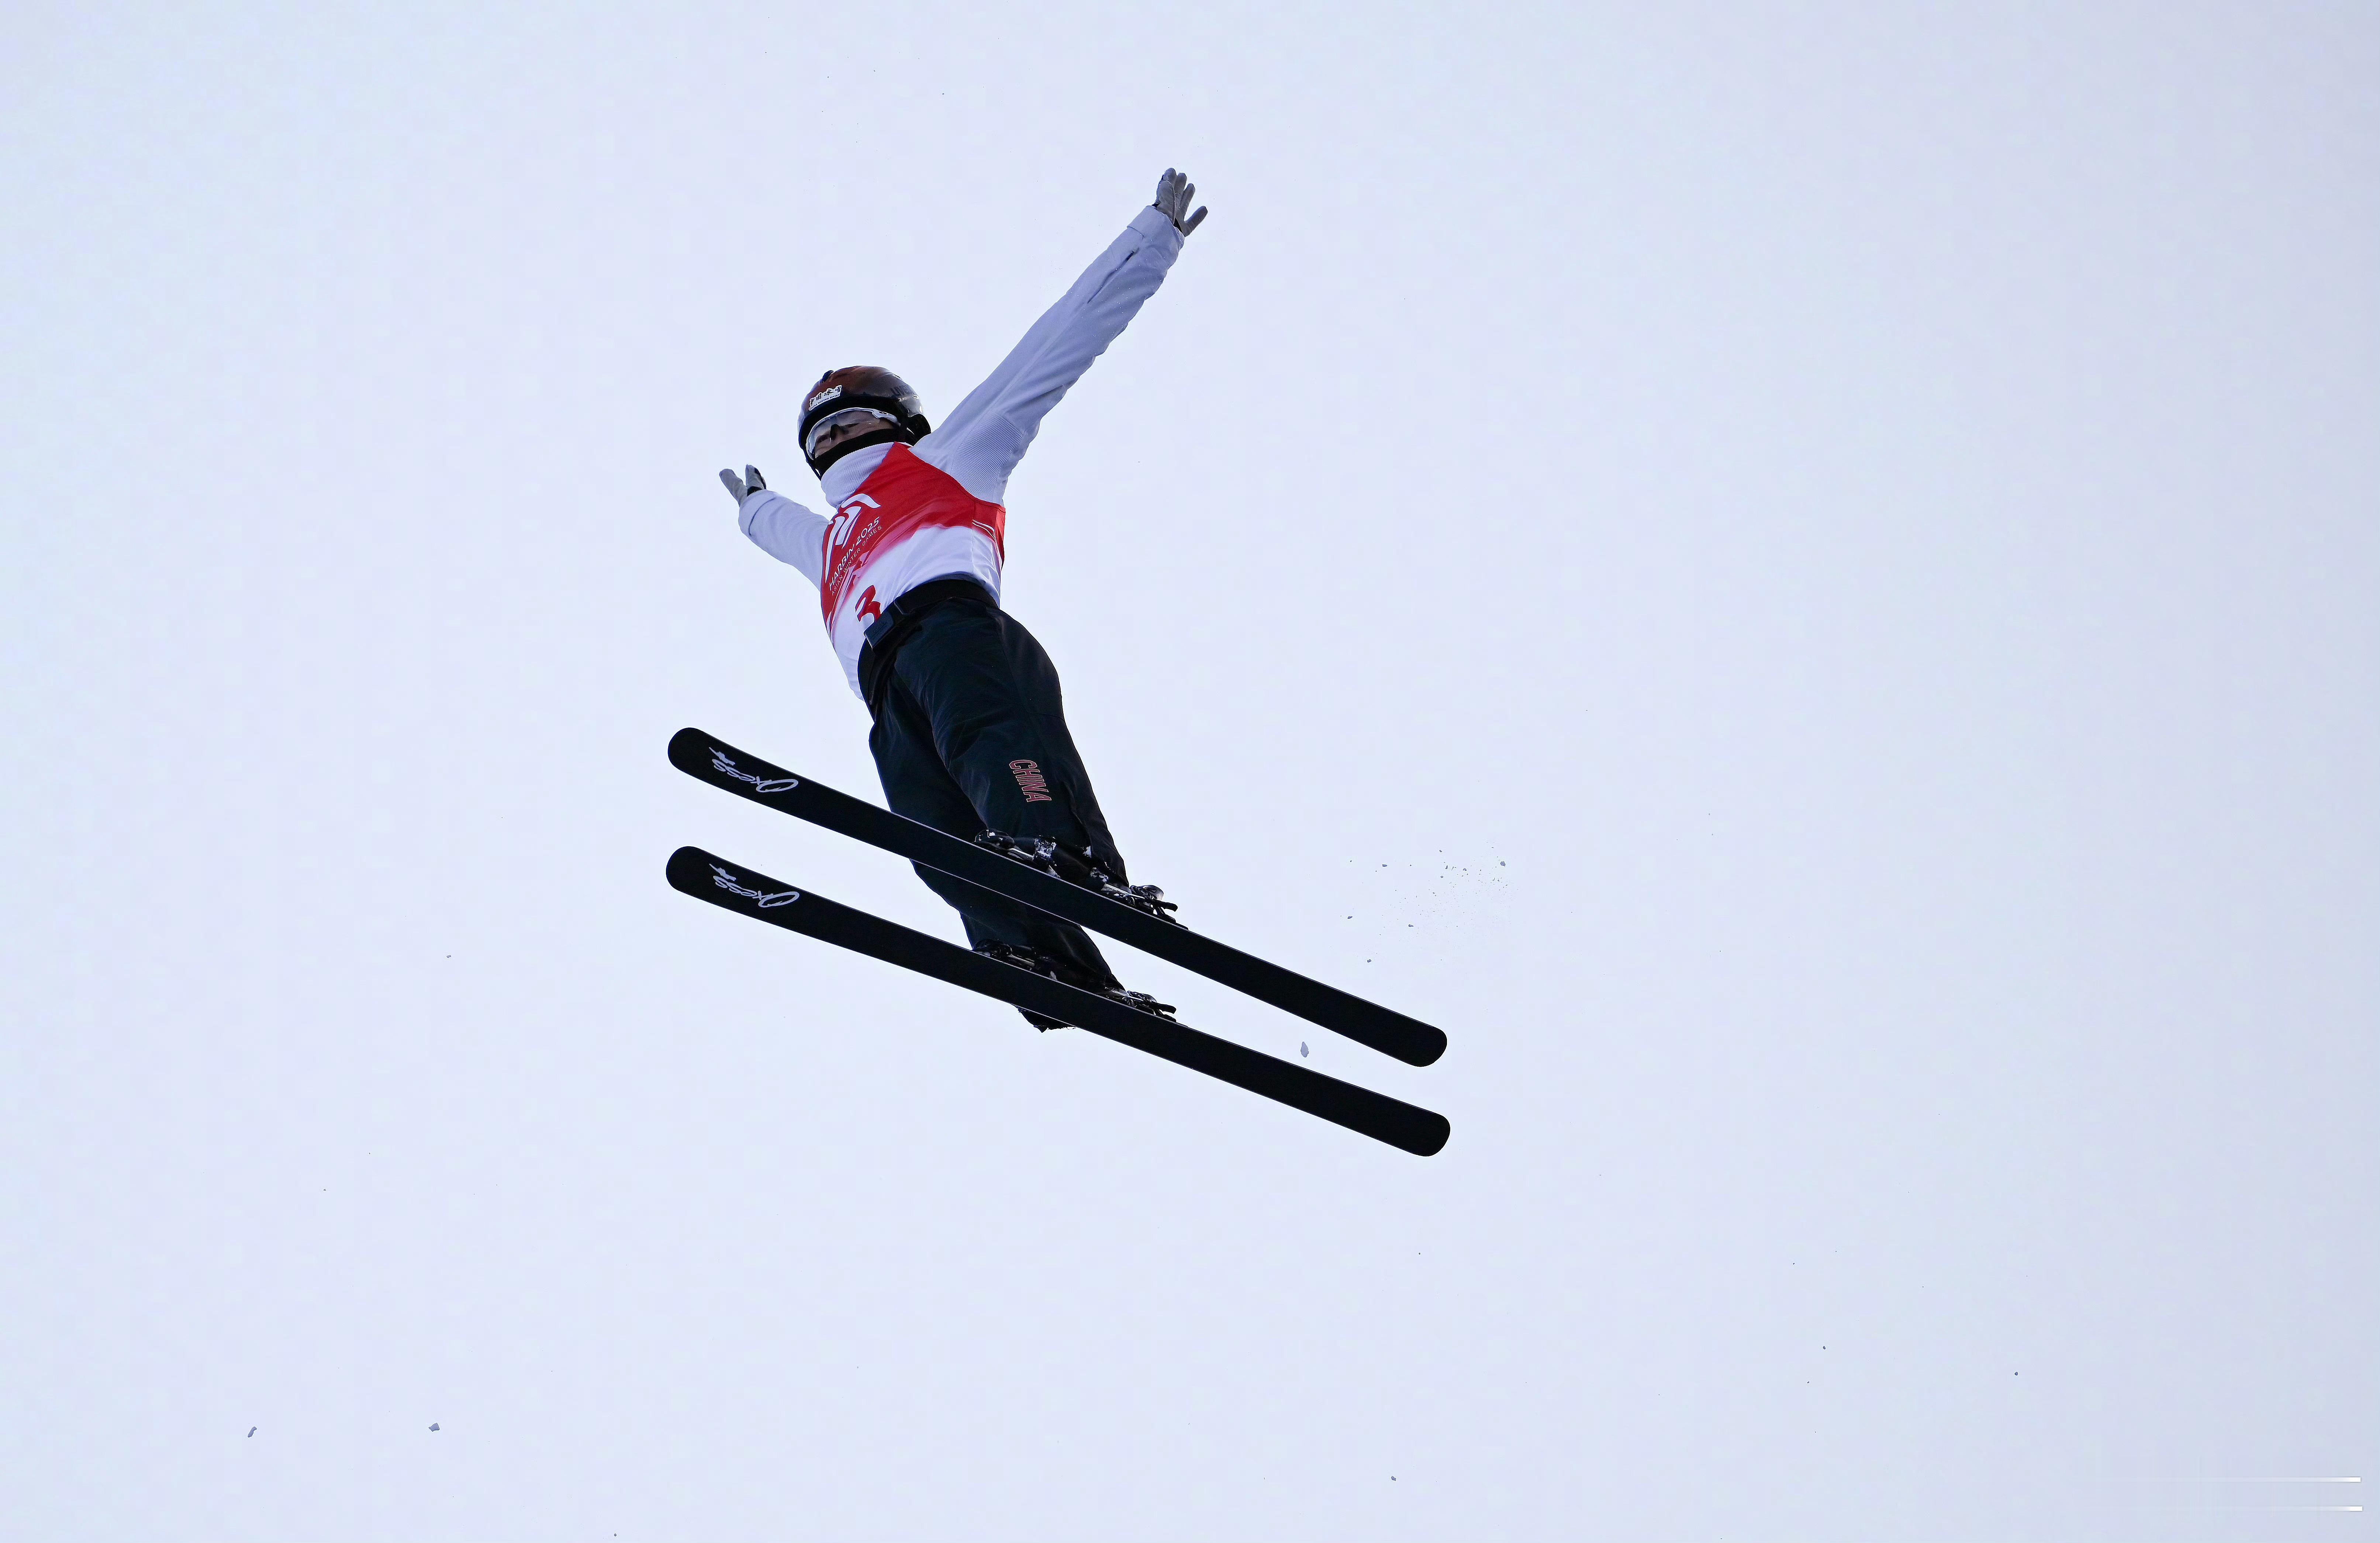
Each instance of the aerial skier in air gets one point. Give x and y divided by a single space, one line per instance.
971 735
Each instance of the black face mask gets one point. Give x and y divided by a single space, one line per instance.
890 433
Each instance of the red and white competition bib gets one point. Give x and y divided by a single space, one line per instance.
908 523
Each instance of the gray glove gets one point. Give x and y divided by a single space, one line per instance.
743 487
1174 194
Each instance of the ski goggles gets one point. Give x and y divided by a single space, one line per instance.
846 417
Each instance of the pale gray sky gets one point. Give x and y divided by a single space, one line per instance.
1807 581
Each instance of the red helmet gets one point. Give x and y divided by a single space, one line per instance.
861 389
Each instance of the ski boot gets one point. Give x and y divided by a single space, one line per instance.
1041 964
1140 1001
1078 868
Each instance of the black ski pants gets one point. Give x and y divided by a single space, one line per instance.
971 735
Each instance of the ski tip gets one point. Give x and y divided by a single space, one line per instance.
689 869
696 872
688 744
1427 1049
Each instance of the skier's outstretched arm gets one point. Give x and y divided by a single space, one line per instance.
777 525
987 435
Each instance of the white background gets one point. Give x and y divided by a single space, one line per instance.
1803 580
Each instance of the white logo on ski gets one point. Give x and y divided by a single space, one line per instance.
726 881
767 785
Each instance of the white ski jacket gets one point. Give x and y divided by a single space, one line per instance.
876 549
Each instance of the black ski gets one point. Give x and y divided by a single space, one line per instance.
724 884
721 765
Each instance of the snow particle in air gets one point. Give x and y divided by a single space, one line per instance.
433 1425
1301 1047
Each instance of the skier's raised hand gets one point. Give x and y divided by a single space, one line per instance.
743 487
1175 192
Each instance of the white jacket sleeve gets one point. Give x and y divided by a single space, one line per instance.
987 435
784 530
